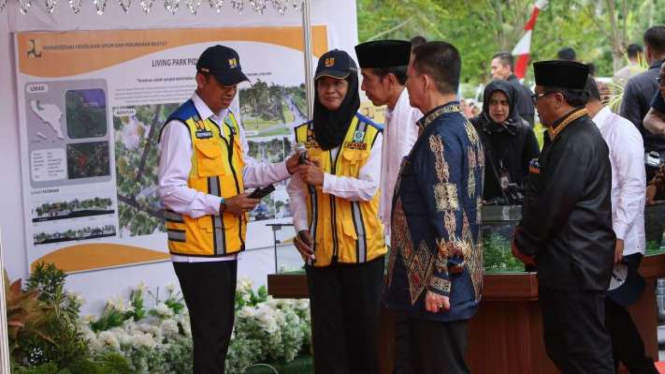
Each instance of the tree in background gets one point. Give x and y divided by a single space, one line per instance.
598 30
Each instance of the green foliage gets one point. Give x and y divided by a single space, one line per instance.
27 321
111 363
653 247
247 297
115 314
65 343
48 280
480 28
497 255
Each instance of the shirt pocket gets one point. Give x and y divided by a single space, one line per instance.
209 160
352 161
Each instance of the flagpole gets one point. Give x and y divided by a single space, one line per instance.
4 338
523 47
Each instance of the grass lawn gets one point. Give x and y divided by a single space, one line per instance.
301 365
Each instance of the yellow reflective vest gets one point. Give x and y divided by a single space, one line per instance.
217 164
344 231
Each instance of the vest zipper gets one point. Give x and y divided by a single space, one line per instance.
229 147
333 210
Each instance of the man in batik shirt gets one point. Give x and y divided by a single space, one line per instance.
435 270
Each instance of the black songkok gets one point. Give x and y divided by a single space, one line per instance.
383 53
561 74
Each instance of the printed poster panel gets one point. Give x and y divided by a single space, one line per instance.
91 108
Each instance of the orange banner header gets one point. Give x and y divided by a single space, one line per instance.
62 54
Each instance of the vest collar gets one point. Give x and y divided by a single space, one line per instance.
205 112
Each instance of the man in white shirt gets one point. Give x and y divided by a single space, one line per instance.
383 66
628 199
203 171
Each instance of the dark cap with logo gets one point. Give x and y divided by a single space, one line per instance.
383 53
223 63
336 64
626 285
561 74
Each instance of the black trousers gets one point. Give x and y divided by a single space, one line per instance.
209 290
574 330
434 347
402 358
627 344
344 302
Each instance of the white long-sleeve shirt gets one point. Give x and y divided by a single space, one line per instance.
175 164
362 188
400 135
628 178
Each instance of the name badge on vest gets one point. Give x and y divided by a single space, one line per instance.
357 142
358 136
203 134
358 146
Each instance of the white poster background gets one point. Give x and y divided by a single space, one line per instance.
132 91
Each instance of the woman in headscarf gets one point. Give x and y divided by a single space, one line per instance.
509 144
335 204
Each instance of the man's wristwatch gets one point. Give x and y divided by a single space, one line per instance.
222 206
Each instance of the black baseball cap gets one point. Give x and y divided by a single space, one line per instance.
626 285
223 63
336 64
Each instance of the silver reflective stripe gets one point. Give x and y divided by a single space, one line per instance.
173 216
176 235
218 226
360 228
315 210
312 225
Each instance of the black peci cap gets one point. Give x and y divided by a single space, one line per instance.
561 74
223 63
336 64
383 53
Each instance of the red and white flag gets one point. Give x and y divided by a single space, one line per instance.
523 47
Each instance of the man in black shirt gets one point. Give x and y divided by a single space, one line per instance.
502 69
641 89
566 228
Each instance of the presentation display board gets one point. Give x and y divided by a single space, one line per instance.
91 106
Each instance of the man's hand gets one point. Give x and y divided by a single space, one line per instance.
618 251
239 204
435 303
292 163
311 174
651 194
526 259
303 242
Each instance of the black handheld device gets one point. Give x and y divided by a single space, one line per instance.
260 193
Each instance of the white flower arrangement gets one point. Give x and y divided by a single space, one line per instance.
159 340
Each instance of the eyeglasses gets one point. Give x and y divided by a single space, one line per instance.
536 96
660 81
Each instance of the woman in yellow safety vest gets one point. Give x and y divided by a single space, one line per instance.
335 203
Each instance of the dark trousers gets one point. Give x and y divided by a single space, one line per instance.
209 290
627 345
344 302
434 347
574 330
402 358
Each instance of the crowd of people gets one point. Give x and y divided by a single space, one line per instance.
412 190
